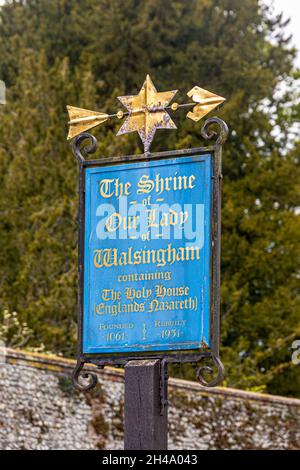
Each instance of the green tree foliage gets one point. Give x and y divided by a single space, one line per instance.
87 52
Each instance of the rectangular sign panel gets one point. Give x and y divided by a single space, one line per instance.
147 256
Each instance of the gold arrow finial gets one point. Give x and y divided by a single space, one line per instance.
2 92
82 120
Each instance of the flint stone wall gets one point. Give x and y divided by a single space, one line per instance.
39 409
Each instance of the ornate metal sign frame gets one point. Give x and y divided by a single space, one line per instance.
84 145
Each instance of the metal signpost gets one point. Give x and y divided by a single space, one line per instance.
149 256
2 92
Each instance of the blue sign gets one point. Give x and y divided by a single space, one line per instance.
147 256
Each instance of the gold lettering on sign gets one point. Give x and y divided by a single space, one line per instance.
145 185
109 187
170 183
115 221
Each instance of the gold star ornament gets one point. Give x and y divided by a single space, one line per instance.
147 112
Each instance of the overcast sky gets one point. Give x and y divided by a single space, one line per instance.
290 9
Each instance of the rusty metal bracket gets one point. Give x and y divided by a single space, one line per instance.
164 377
